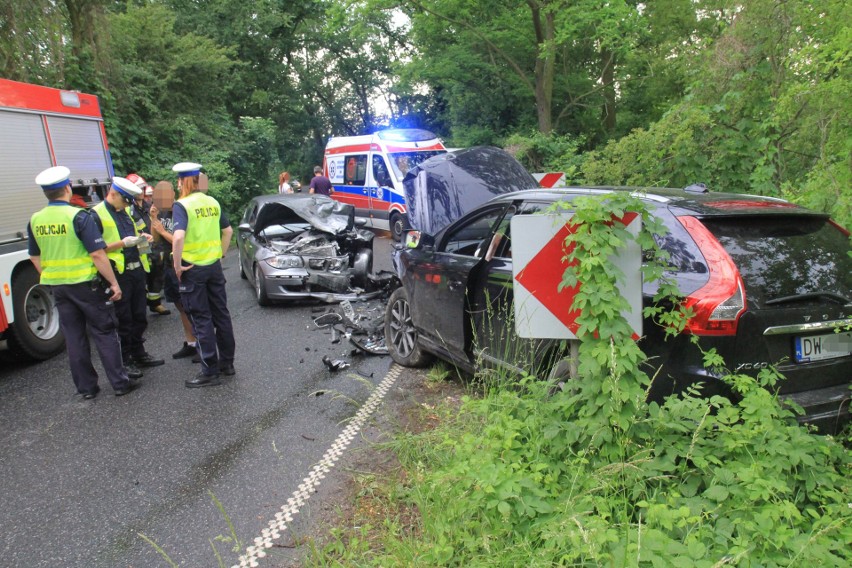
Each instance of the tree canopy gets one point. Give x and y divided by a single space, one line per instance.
744 96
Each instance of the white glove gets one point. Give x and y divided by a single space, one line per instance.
130 241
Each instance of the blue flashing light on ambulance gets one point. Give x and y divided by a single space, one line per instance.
367 172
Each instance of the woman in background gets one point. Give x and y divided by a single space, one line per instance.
284 183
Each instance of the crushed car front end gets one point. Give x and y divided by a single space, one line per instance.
305 247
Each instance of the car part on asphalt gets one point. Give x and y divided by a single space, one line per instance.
336 364
362 325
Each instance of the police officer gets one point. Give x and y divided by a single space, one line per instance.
201 237
67 249
123 239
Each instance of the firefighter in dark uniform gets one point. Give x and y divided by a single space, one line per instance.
123 238
201 237
67 249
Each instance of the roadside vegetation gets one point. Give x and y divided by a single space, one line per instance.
525 474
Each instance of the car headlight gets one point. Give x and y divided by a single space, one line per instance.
285 261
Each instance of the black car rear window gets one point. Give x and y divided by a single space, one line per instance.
786 256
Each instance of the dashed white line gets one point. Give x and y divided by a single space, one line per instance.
302 493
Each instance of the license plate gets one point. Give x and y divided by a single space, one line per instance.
826 346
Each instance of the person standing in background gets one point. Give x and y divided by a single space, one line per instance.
67 249
284 183
163 226
142 212
157 257
202 234
320 183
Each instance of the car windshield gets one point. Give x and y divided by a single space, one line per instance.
401 162
786 256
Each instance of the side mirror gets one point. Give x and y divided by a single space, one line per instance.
360 222
419 240
412 239
244 227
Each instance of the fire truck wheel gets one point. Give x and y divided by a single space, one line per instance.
398 225
35 333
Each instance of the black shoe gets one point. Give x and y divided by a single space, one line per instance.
133 371
131 386
202 380
186 351
91 394
196 358
160 309
146 360
227 369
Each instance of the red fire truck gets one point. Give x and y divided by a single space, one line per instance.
40 127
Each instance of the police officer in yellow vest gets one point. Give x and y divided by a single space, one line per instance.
68 250
122 239
201 237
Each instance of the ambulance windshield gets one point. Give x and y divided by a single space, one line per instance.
401 162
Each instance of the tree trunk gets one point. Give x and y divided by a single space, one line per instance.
545 66
608 80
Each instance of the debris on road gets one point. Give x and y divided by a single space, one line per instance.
362 323
336 365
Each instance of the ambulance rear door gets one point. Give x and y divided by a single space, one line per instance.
381 189
346 167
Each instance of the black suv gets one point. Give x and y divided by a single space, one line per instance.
769 283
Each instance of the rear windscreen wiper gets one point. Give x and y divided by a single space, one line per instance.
839 298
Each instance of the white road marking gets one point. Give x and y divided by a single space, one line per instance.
308 486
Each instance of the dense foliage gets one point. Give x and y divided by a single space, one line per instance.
744 96
593 475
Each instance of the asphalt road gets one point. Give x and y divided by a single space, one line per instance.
83 480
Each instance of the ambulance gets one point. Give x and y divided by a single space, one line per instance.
367 172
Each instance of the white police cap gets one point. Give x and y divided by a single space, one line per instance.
53 178
126 188
186 169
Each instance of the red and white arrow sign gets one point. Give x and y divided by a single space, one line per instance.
542 309
550 179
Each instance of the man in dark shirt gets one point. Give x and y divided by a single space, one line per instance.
320 183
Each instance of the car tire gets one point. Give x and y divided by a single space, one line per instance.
35 334
362 267
398 225
260 287
400 334
243 274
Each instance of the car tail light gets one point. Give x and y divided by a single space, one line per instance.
717 305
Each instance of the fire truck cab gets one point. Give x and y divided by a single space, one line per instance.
40 127
367 172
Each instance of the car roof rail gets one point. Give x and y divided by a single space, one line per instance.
696 188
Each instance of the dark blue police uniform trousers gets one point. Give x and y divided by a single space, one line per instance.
79 306
202 292
131 311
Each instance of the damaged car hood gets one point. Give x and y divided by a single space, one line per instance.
323 213
445 187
